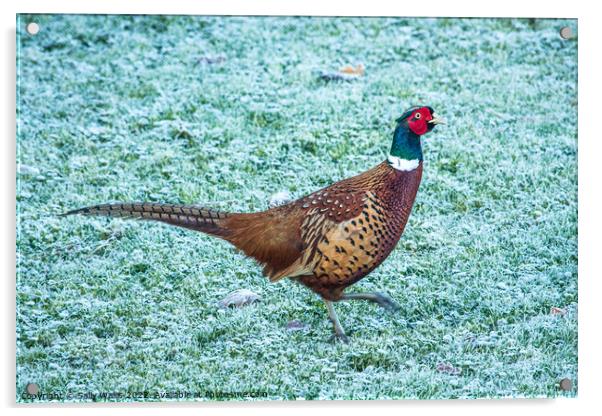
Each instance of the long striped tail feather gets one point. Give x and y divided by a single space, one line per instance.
188 216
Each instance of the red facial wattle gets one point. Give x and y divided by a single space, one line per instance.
418 121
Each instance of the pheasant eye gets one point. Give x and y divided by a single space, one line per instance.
417 116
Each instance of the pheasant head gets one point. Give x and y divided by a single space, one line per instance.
406 150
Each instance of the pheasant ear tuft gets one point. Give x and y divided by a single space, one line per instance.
407 113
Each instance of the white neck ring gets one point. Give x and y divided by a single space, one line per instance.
404 165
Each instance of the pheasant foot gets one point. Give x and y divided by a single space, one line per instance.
382 299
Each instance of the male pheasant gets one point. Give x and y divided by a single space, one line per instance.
327 240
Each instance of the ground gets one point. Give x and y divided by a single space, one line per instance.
225 112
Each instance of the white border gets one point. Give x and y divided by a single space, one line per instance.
590 68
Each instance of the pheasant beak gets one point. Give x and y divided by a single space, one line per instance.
436 119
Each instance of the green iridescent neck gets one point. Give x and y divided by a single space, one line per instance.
406 144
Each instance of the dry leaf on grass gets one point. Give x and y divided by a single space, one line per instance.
210 60
239 298
448 369
359 69
346 73
279 198
296 325
557 311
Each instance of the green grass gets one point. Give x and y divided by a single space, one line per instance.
128 108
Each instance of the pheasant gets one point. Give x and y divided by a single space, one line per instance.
327 240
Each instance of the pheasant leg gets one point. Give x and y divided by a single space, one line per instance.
382 299
339 333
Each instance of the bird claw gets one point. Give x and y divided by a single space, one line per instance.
339 338
386 302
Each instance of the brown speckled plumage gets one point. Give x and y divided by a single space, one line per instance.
349 228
